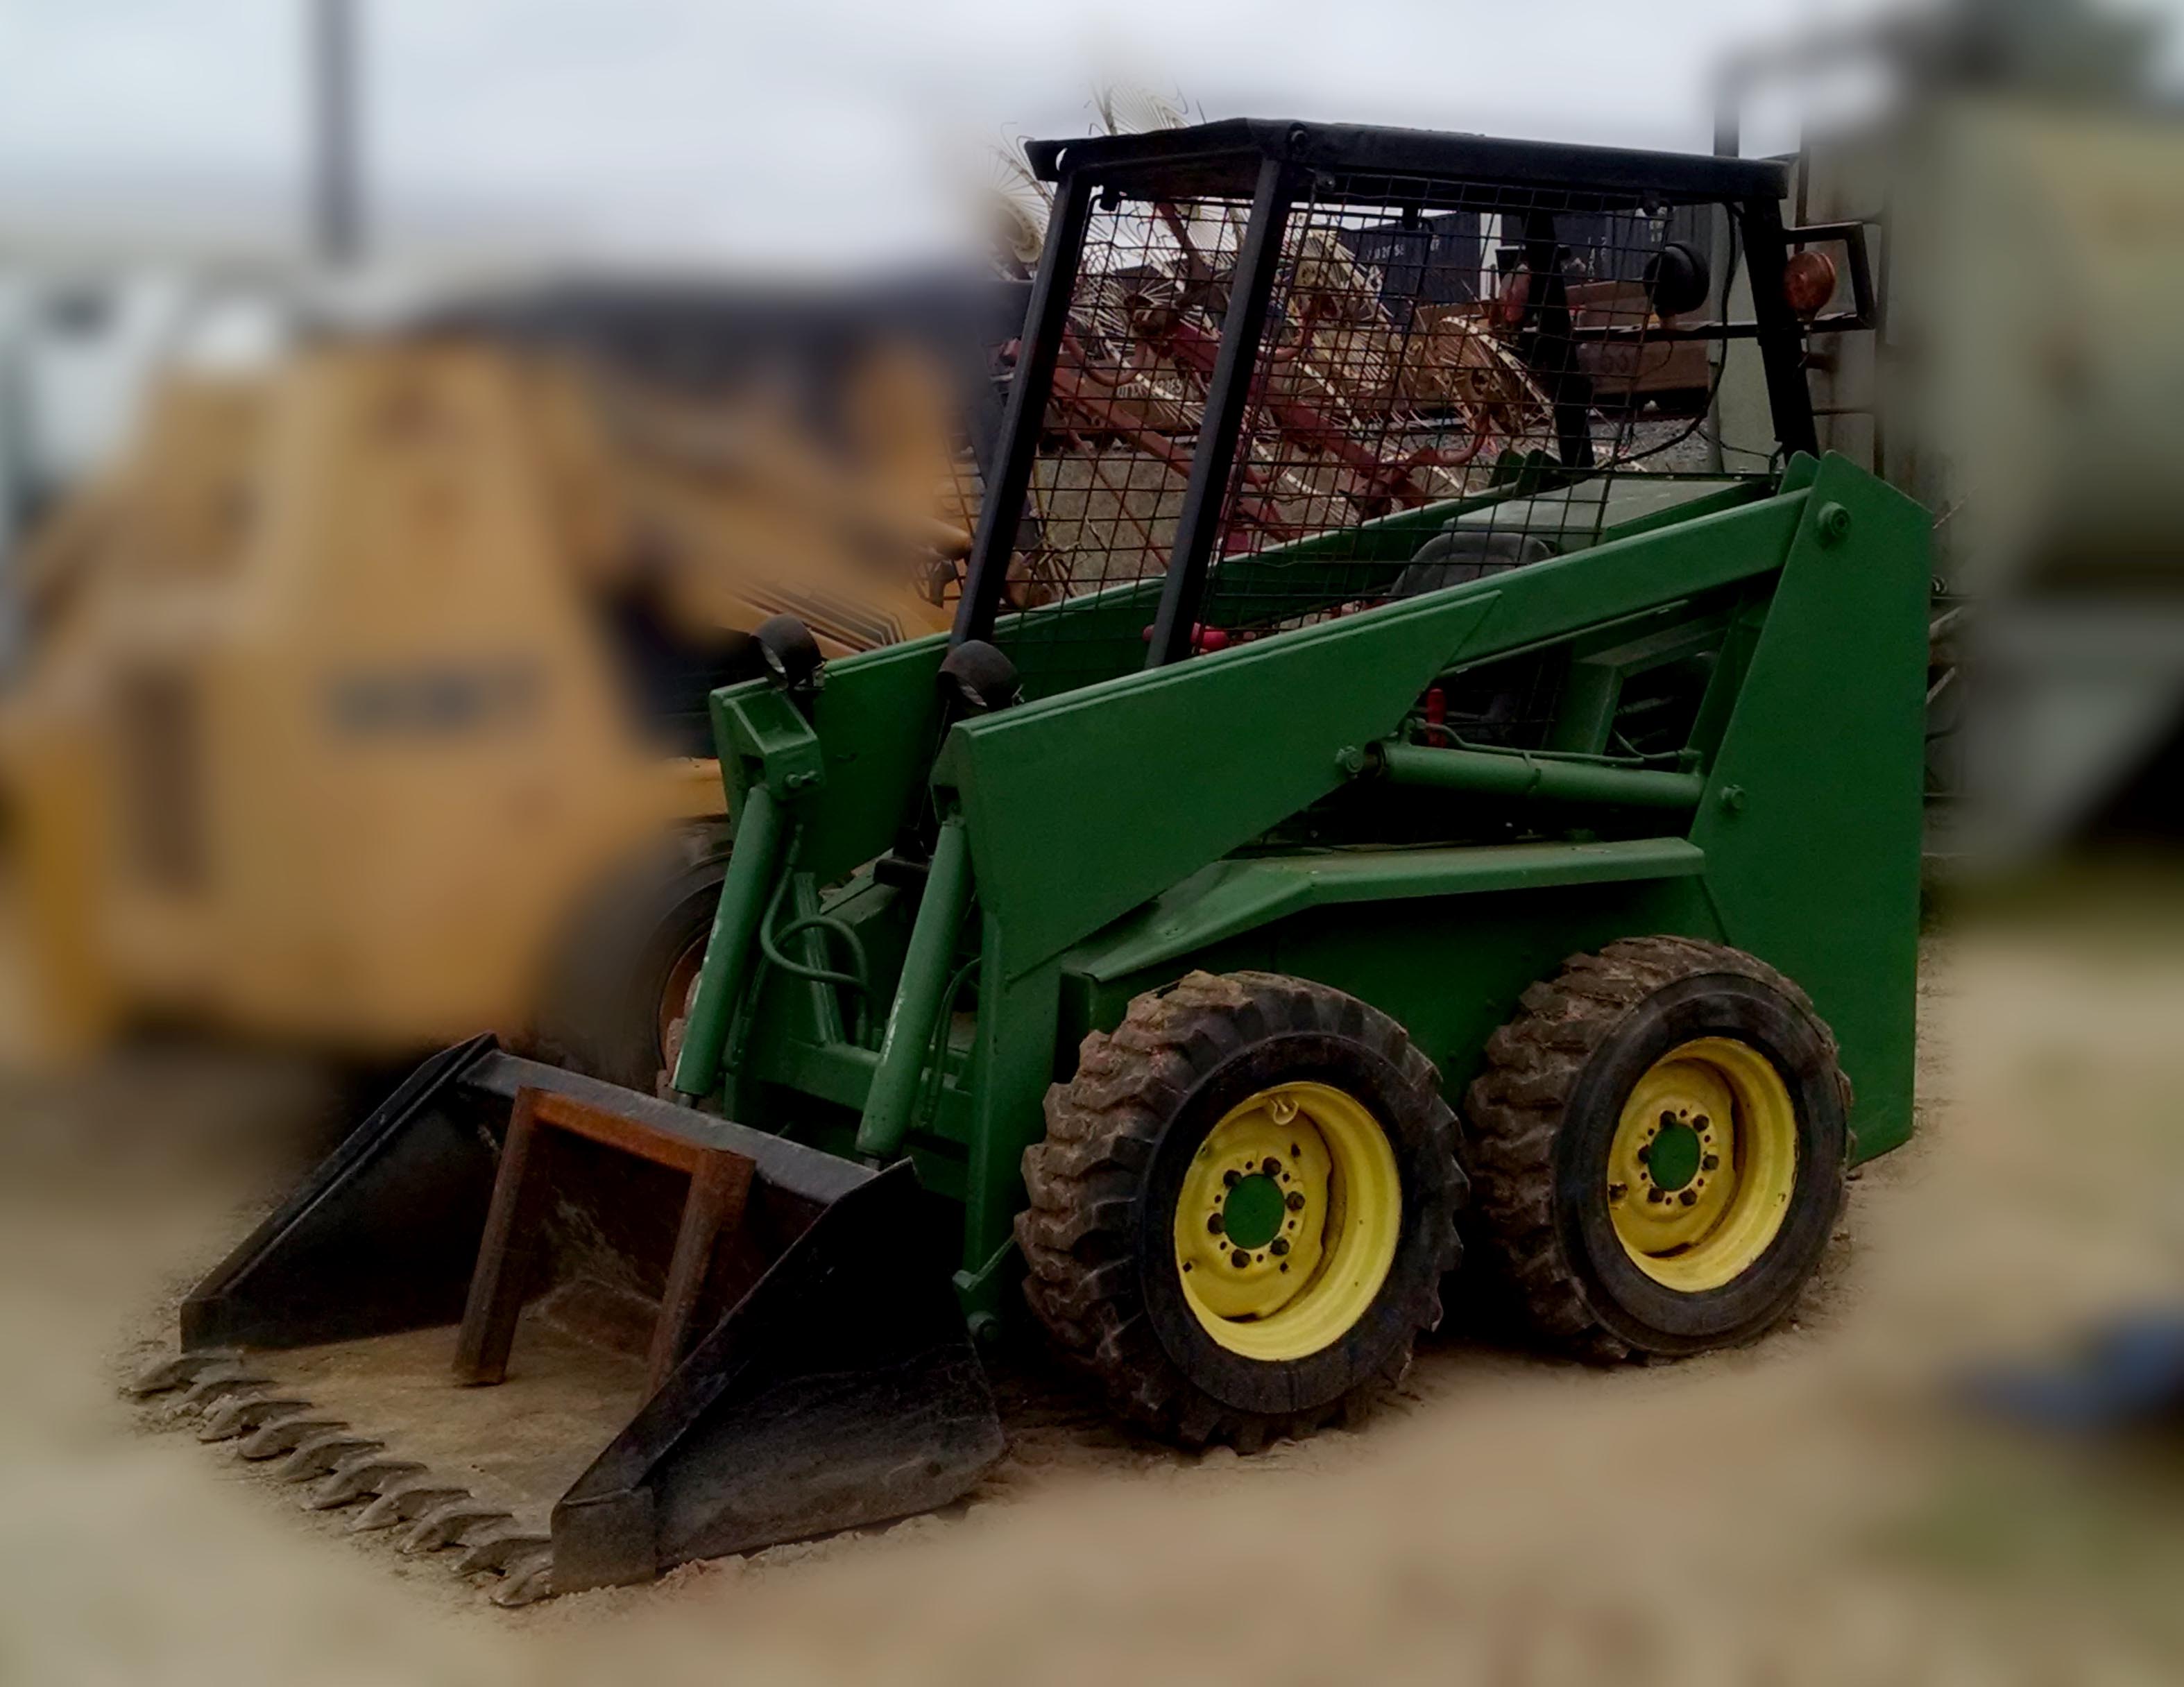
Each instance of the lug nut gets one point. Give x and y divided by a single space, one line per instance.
1710 1162
1296 1201
1271 1168
1232 1178
1214 1226
1644 1153
1689 1198
1278 1246
1653 1195
1239 1259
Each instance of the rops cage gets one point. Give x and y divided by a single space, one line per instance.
1290 369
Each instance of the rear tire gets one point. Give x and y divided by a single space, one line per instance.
1126 1201
624 973
1657 1050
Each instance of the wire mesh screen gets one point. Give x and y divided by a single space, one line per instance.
1436 395
1129 395
1420 364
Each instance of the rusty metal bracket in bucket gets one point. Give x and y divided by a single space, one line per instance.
720 1183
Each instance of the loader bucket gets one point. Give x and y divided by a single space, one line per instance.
578 1335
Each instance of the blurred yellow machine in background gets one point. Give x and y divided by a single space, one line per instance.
363 702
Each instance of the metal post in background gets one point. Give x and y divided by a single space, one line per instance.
336 191
1721 254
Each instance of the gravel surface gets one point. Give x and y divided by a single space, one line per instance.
1806 1510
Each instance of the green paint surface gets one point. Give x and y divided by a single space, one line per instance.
1251 1217
1673 1157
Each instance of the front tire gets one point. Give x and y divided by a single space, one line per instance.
625 971
1243 1209
1659 1142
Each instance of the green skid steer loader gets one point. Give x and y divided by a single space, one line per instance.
1445 804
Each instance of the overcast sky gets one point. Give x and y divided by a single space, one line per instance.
792 132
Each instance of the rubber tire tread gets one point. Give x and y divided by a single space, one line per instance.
599 1014
1513 1112
1079 1234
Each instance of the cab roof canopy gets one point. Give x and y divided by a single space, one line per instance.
1432 170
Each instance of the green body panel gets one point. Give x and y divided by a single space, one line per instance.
1255 733
1109 774
1448 971
1238 809
1812 858
1233 897
876 719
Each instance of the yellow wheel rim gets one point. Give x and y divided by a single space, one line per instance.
1288 1221
1703 1164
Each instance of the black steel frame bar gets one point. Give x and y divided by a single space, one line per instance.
1045 317
1365 155
1658 334
1780 335
1228 398
1547 346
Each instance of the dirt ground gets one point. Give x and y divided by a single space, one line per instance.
1811 1509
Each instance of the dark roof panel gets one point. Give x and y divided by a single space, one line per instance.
1378 164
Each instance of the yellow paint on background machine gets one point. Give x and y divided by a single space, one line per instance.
363 701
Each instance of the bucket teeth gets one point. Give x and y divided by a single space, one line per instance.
498 1549
279 1435
400 1502
448 1525
240 1414
178 1370
527 1578
354 1478
211 1387
229 1402
316 1455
